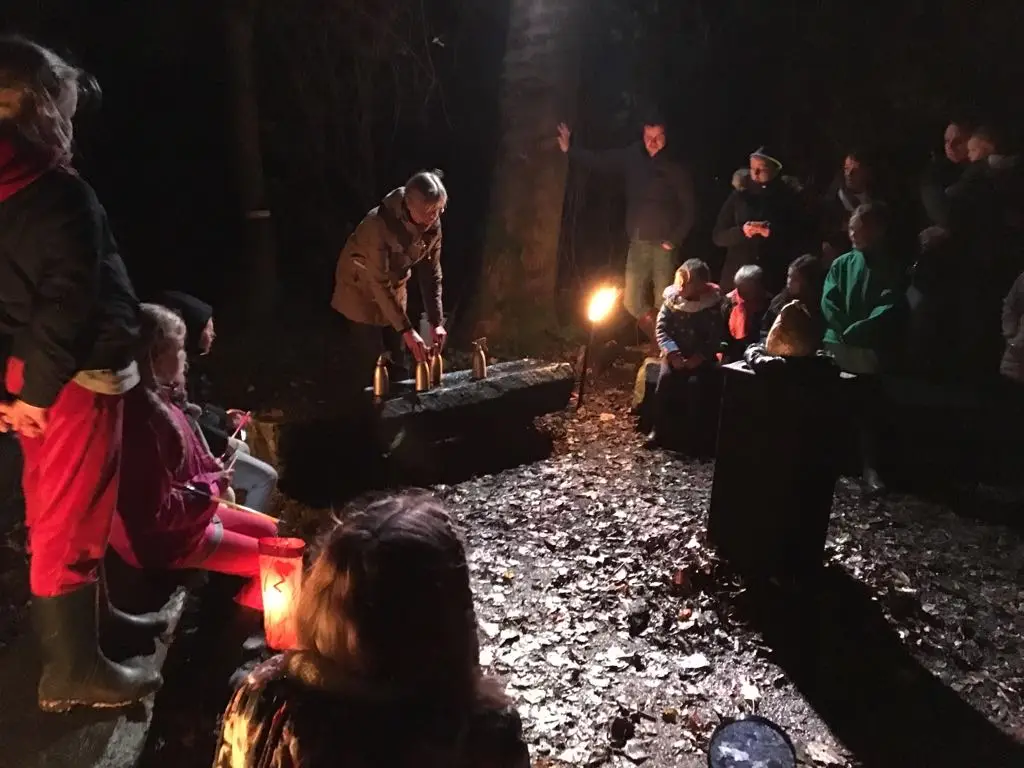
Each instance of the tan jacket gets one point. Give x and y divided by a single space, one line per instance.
377 261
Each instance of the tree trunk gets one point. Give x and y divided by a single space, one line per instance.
516 301
259 267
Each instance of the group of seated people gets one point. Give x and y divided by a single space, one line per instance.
177 499
851 313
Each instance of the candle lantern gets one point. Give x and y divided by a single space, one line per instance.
280 580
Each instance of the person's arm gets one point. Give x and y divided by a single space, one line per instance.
833 300
727 232
372 259
864 333
71 249
662 330
712 342
682 183
430 278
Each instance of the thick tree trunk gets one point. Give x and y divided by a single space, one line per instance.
516 300
259 268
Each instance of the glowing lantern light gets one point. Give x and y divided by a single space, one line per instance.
600 306
280 580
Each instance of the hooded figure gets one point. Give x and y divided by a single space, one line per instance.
198 317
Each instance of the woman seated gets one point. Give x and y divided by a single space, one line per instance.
255 479
689 332
389 672
743 311
168 512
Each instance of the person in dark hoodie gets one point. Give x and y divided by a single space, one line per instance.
761 223
689 334
70 308
218 427
660 212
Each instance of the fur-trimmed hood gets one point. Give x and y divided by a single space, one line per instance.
712 297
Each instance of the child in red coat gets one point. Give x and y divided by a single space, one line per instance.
161 524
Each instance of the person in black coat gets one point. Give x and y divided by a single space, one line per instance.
71 312
660 212
761 223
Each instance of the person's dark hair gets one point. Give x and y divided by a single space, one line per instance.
388 601
809 267
751 273
692 269
861 155
428 185
36 91
653 117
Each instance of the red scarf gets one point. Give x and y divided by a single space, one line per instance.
738 316
17 170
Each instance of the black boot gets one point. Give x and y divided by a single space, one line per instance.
75 671
126 635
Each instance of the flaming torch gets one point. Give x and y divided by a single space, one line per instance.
601 304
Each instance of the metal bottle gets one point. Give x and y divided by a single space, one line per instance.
381 378
480 359
422 376
436 368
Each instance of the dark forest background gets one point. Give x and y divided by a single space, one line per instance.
354 96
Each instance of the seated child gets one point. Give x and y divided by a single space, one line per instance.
803 283
689 332
389 668
743 311
159 523
254 478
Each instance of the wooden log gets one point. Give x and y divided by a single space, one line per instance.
779 441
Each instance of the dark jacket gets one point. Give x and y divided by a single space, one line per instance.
289 714
780 205
939 174
690 327
65 296
660 204
377 261
834 212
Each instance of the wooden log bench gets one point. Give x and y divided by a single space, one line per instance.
408 426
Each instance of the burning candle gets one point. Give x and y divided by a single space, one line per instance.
280 580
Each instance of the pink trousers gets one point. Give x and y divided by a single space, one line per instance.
230 545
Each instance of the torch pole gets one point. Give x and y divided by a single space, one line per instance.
586 363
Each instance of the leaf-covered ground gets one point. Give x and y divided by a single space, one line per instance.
624 641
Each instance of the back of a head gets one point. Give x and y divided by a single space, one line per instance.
38 97
389 600
793 334
194 311
693 269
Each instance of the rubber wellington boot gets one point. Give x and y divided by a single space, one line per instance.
75 671
126 635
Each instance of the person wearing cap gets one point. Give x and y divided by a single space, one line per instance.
761 223
660 212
